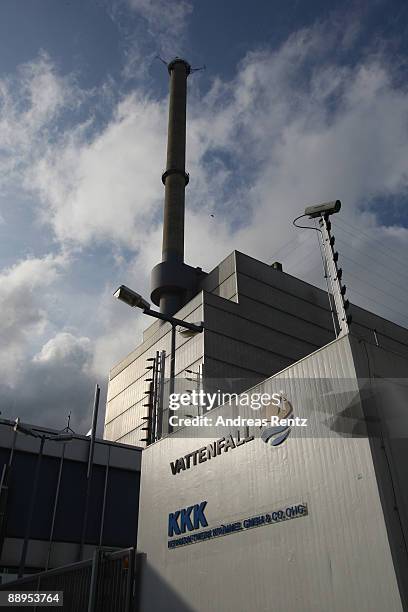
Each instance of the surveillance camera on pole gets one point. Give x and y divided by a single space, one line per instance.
333 273
326 208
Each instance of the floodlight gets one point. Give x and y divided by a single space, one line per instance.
131 298
191 331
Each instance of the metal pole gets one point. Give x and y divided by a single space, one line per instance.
54 512
3 476
3 505
155 397
199 383
105 488
172 365
13 446
3 488
161 394
31 510
320 241
93 589
174 322
197 328
89 470
334 277
93 432
130 580
172 357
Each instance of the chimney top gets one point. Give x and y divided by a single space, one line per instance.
178 60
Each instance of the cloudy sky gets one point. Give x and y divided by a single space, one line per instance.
300 102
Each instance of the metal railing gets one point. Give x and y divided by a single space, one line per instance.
109 581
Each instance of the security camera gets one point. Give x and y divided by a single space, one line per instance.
328 208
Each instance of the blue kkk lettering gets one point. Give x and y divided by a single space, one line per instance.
181 521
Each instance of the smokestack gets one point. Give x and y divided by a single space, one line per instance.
175 177
173 282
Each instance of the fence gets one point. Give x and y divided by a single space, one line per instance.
109 581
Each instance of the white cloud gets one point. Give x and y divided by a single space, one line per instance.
66 349
150 29
300 129
108 188
166 22
55 383
23 303
30 102
293 127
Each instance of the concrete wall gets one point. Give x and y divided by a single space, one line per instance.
336 557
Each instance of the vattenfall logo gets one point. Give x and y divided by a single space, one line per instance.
274 435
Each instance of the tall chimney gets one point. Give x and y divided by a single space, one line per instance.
175 177
173 282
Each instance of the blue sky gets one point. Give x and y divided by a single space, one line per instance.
300 102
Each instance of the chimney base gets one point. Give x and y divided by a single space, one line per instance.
173 284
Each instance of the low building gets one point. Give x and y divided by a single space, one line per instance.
58 533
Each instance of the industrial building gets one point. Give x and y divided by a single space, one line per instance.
258 321
62 497
227 510
238 518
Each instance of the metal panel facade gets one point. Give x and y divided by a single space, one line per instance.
258 321
336 557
